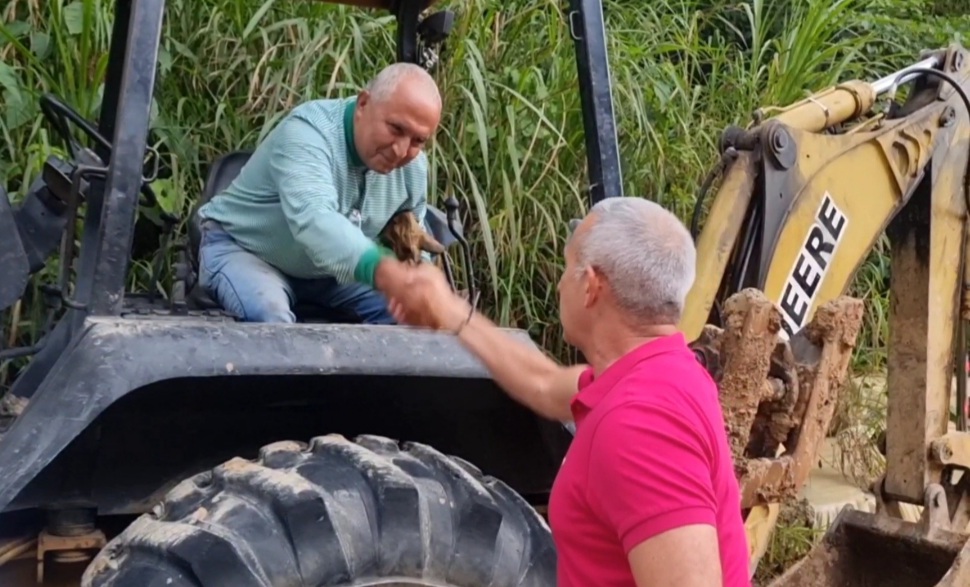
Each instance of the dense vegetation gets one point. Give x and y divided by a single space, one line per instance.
511 142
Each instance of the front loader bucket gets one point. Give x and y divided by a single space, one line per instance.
868 550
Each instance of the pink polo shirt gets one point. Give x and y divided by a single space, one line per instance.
650 454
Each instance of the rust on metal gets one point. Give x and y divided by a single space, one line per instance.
67 549
776 394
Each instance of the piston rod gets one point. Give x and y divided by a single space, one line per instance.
883 85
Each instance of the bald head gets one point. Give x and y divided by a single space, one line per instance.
396 115
645 253
407 78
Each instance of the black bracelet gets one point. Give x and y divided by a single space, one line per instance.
471 312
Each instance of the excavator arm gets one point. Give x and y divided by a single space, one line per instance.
806 193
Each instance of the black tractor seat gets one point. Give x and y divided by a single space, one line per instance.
221 173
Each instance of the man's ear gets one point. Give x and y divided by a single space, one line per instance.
363 98
594 286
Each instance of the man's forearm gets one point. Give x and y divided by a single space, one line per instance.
524 372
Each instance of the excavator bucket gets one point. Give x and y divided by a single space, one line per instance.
868 550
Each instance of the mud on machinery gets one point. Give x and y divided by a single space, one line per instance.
107 428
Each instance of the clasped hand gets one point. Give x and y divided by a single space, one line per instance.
421 296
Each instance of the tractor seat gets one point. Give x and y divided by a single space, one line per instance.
222 172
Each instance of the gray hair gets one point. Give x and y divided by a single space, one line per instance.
384 83
645 252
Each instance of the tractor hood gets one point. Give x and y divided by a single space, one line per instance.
133 405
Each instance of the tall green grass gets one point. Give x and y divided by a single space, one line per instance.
511 140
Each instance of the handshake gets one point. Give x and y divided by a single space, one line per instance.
419 295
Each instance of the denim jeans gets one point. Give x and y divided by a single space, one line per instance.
255 291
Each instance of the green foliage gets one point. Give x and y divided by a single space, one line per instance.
511 141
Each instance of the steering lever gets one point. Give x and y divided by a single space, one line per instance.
59 113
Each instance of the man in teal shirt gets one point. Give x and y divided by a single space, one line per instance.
300 222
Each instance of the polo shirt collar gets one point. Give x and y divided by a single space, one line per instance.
593 389
352 154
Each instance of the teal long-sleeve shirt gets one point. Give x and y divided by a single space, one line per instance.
306 204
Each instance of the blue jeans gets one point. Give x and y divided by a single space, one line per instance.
255 291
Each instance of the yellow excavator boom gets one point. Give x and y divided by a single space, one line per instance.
807 191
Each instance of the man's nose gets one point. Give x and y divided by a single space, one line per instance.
401 147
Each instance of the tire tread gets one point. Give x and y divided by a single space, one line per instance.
332 512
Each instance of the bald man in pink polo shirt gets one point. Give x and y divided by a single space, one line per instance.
646 495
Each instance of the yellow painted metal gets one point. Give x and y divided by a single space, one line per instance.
831 106
858 181
717 240
759 526
865 173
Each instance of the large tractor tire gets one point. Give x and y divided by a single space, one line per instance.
334 512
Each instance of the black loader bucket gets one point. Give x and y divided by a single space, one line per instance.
862 549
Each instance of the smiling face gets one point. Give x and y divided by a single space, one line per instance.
390 132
